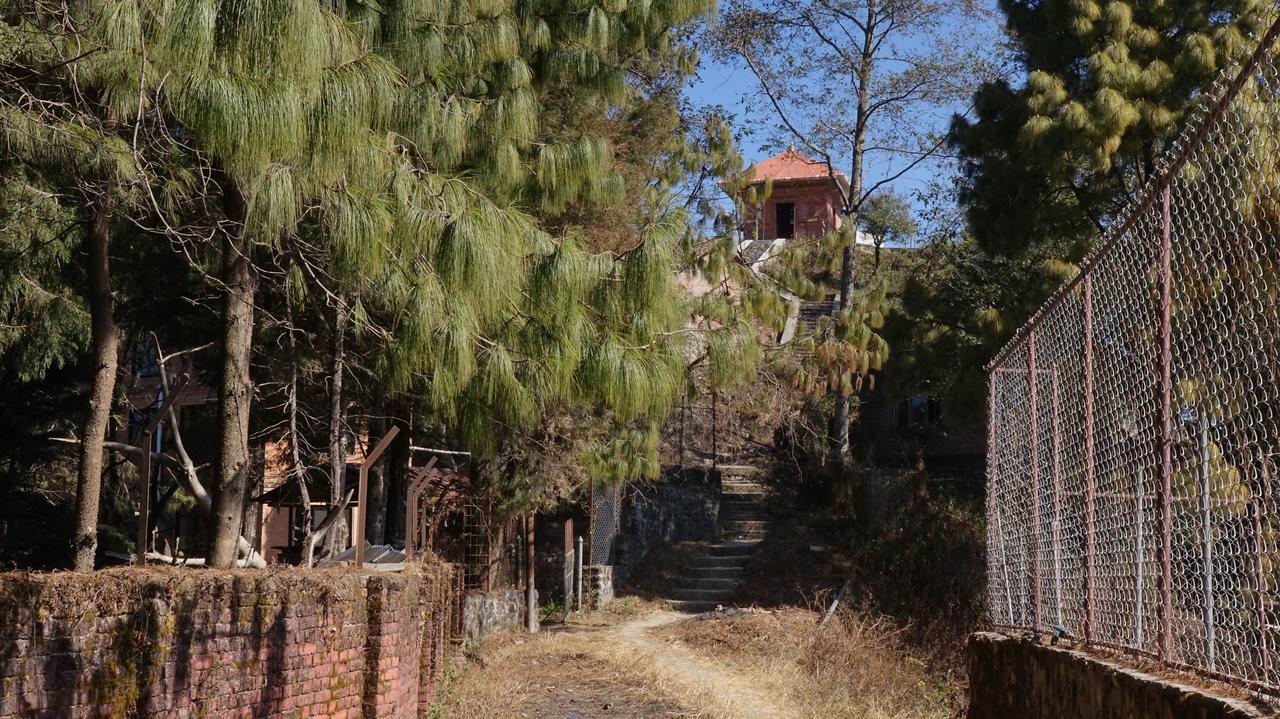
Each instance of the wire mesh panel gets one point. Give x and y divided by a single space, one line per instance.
478 543
606 521
1134 421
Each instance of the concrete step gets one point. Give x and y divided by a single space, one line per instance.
729 485
742 506
688 582
733 548
745 496
738 470
713 572
743 511
736 524
714 562
723 596
742 502
734 518
694 607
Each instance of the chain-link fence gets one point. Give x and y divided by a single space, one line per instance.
1135 421
606 522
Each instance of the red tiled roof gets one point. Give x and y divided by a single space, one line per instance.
791 165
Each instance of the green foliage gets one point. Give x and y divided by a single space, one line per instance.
1051 160
43 322
484 185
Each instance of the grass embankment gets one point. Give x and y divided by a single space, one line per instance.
912 551
854 668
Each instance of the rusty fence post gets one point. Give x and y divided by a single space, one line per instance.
413 510
1206 546
1164 404
1260 507
363 491
993 489
1090 480
1033 535
1057 497
144 500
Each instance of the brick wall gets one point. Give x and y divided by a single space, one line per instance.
817 205
193 643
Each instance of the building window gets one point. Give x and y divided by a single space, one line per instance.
786 220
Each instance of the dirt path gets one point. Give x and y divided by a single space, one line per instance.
619 671
730 694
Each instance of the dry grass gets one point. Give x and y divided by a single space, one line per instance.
618 611
856 668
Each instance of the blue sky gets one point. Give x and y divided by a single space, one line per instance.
727 85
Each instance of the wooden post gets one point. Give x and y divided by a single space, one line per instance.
569 561
362 507
1164 404
530 558
1090 480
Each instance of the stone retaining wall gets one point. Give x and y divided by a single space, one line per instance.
485 614
197 643
681 507
1014 678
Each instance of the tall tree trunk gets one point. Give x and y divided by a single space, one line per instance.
106 342
235 391
397 467
297 472
838 432
375 523
336 540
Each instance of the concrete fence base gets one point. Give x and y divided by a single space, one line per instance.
1014 678
597 581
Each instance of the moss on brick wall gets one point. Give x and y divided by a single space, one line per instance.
171 642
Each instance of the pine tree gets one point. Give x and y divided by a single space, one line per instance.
1049 161
68 140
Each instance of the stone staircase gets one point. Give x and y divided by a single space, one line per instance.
712 578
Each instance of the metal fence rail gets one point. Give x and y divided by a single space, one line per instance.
1135 420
